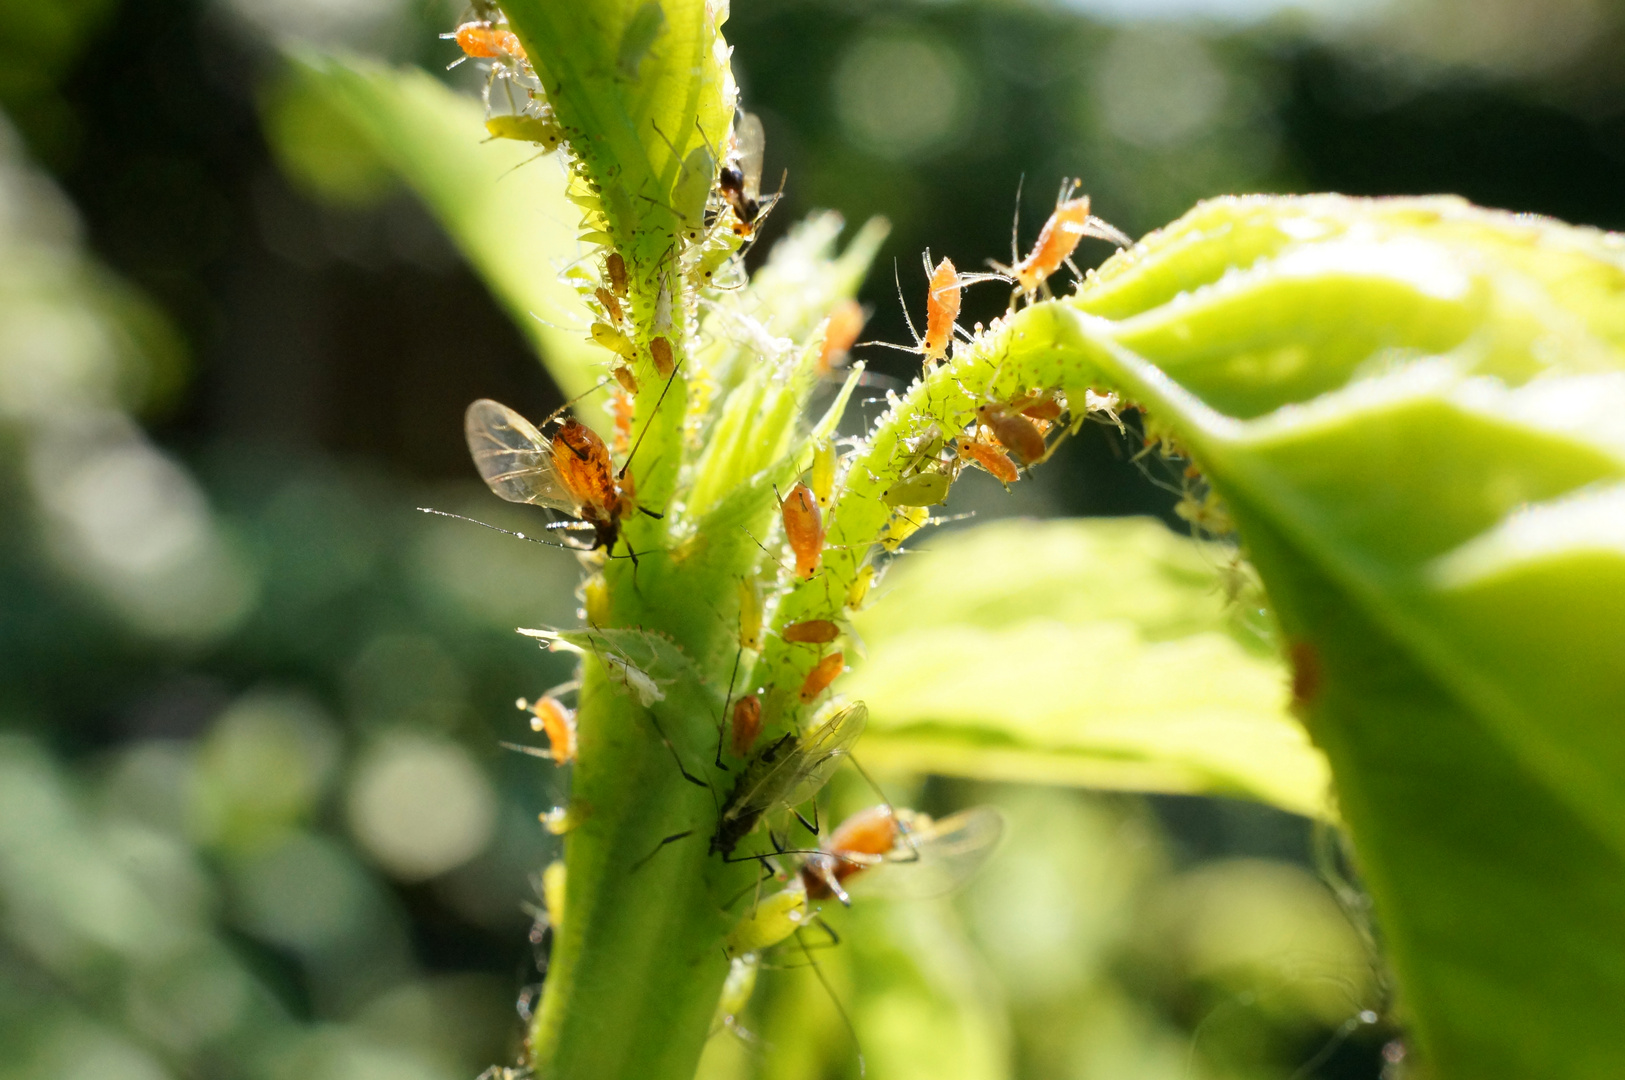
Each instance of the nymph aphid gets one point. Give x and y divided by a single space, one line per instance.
1057 240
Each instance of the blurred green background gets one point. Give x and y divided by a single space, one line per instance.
254 821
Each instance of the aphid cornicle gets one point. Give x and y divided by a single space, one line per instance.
823 673
571 472
804 529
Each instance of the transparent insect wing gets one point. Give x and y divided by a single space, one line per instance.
821 750
514 459
750 142
933 859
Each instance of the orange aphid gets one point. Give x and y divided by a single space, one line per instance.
612 306
823 673
811 632
747 724
621 405
615 267
990 458
559 722
804 529
484 41
660 353
1043 407
870 832
1013 431
628 381
941 311
1058 239
840 333
571 472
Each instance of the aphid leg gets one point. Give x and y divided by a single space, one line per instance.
500 529
672 839
811 826
863 1066
690 777
650 423
722 721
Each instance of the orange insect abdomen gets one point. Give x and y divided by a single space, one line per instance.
941 311
990 458
1015 433
823 673
621 401
804 529
482 41
582 463
811 632
1056 242
845 324
560 725
747 724
868 832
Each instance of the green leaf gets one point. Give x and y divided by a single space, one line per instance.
1100 652
1413 409
505 211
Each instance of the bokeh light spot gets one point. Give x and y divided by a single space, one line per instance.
901 97
420 807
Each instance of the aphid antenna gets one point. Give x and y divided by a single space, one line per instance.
533 751
520 535
722 721
863 1066
563 688
661 400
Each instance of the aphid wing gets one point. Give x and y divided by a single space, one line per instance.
750 142
513 458
935 860
822 750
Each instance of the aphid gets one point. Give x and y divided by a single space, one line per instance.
922 857
905 522
483 40
624 376
638 38
550 715
1013 431
595 600
822 674
921 489
543 130
804 529
737 989
615 267
768 922
660 353
858 591
613 340
823 472
621 406
750 614
611 305
693 190
553 882
841 332
1047 407
811 632
747 724
740 179
786 773
990 458
1207 513
570 473
1058 239
941 311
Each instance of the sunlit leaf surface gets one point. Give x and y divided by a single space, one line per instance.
1102 652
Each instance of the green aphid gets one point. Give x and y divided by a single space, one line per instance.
922 489
544 130
639 37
